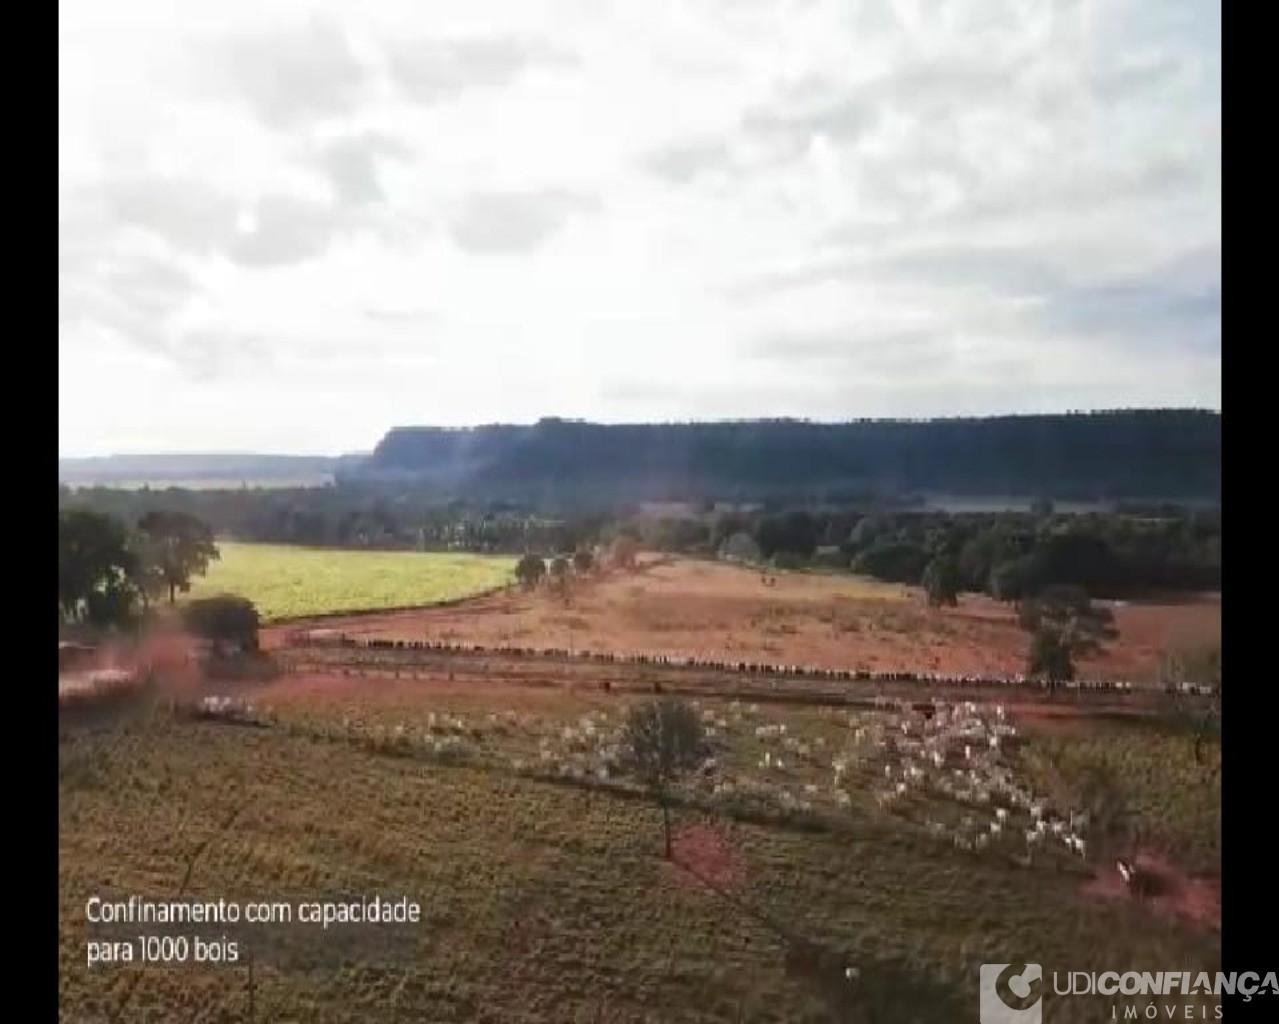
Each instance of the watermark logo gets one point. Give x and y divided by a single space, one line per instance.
1012 994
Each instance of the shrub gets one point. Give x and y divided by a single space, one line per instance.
226 620
530 571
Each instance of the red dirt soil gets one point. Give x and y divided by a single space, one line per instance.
705 852
693 608
1195 901
311 688
166 650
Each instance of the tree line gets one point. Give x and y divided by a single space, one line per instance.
359 517
1009 555
113 576
1124 552
110 574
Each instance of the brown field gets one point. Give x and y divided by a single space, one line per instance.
693 608
490 789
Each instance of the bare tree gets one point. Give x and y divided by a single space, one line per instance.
1201 712
665 739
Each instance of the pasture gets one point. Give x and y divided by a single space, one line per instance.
538 861
910 840
683 607
292 582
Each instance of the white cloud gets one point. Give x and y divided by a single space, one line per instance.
293 226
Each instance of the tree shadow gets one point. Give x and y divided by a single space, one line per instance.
861 990
856 988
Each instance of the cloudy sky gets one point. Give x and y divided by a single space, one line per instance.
290 226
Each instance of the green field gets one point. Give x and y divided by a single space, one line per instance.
292 582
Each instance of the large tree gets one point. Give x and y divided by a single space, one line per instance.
177 546
1064 626
97 570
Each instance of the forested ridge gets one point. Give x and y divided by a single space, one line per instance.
1167 453
567 464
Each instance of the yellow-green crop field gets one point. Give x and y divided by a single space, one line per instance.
292 582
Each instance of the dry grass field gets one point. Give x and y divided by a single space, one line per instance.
686 607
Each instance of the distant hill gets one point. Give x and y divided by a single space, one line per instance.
199 470
1159 453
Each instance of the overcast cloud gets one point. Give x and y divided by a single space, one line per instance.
291 226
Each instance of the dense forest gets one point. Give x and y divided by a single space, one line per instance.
1009 555
1094 456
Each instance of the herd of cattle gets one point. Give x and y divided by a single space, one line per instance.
332 638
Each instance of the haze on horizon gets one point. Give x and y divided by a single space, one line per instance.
289 227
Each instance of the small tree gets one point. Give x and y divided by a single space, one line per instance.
624 553
665 740
225 620
1064 625
1100 794
101 578
561 574
583 561
1201 667
530 571
941 581
1049 659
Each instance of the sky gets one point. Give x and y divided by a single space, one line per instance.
289 227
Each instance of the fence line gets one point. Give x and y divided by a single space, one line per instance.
303 639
